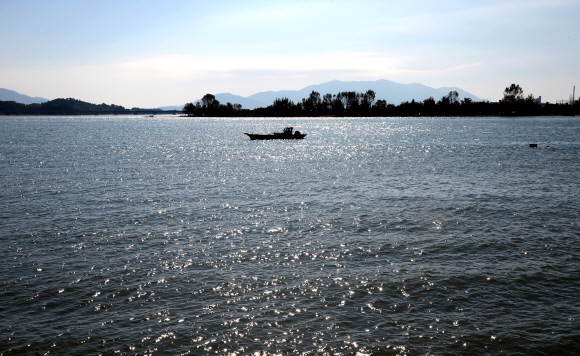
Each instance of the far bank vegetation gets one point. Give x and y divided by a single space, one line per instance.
353 104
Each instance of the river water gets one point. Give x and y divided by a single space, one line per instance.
373 236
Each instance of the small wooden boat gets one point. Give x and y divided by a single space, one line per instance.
286 134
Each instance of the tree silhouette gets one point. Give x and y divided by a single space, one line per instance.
380 104
327 102
283 104
189 109
313 101
208 100
513 93
450 99
368 99
429 102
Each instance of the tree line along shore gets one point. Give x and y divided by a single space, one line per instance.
353 104
344 104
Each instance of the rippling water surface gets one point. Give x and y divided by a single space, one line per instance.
381 236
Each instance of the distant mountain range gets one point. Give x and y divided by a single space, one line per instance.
11 95
393 93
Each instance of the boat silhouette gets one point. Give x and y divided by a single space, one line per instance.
286 134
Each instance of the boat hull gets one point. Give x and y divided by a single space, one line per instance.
275 137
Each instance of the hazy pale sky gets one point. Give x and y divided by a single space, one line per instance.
156 53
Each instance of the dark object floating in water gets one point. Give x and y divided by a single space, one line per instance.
286 134
533 145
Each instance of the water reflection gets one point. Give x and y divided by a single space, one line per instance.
372 236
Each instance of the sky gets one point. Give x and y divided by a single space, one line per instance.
159 53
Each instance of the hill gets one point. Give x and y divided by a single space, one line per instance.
58 106
11 95
394 93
